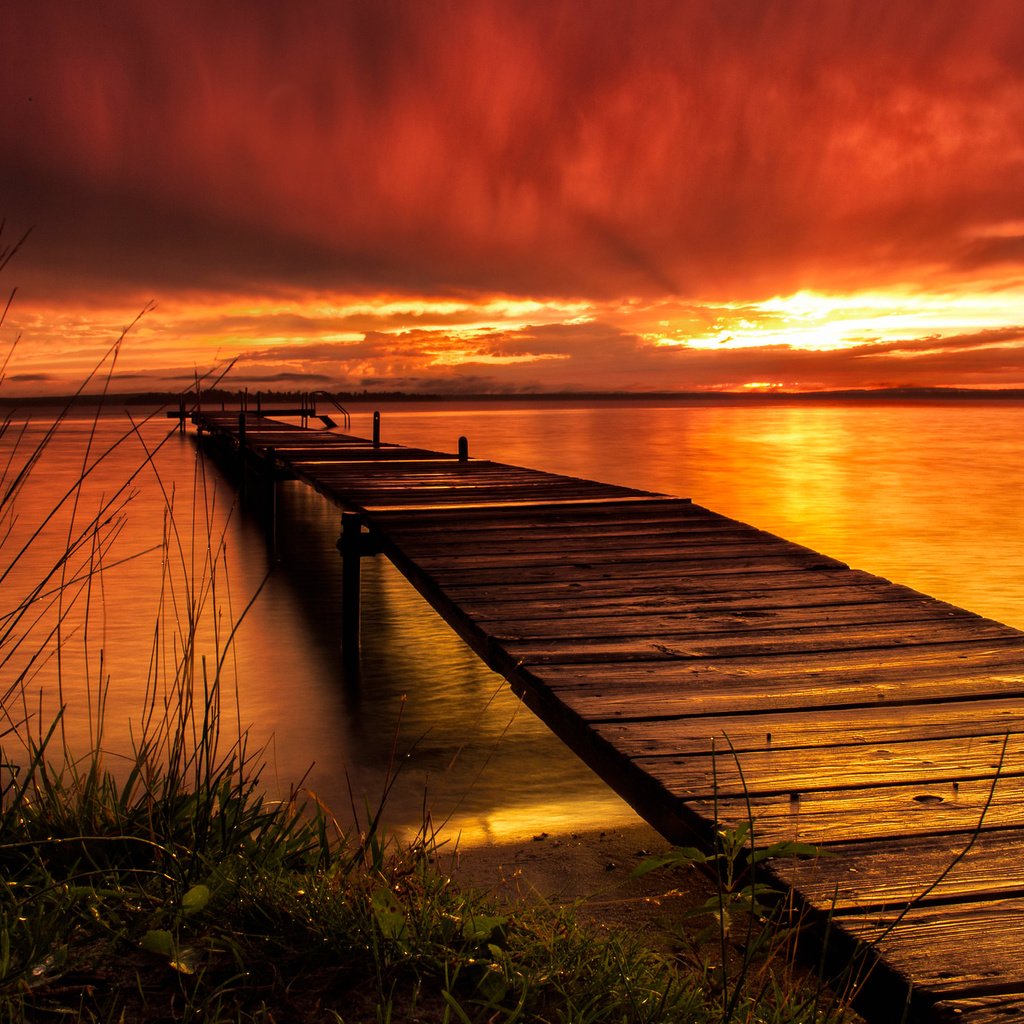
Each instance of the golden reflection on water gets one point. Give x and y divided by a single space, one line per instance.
925 494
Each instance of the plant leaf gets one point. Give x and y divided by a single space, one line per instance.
679 856
158 941
481 928
388 913
785 849
195 900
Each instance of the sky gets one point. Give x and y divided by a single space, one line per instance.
514 195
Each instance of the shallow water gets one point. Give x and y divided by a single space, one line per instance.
925 494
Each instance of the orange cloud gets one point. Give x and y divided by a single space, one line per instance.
612 158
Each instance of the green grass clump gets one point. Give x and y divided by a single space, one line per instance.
125 902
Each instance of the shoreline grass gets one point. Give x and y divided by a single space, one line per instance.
132 902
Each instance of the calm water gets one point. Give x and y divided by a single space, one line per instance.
927 495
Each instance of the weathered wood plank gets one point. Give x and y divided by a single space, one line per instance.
999 1009
892 873
925 761
712 589
794 731
821 816
649 545
545 533
682 520
584 571
307 456
507 610
574 555
684 643
649 690
655 619
963 950
640 506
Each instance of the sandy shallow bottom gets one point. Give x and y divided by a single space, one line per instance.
593 870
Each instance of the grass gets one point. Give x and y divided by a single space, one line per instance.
172 890
132 902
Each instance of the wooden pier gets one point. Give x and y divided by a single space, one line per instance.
712 673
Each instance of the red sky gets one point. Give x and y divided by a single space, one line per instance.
511 195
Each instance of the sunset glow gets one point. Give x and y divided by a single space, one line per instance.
683 196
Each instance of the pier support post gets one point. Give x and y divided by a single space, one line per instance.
242 460
271 492
350 545
463 450
376 429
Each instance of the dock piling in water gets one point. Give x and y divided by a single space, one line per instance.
350 545
270 465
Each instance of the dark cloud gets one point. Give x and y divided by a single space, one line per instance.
1001 336
241 376
992 252
463 383
569 148
30 378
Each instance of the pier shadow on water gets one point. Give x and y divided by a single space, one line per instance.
421 702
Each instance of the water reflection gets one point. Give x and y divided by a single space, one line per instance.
458 731
926 495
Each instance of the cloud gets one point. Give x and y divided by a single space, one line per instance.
620 156
558 148
33 378
998 337
987 252
602 356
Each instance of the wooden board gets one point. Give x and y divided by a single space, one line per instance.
960 948
872 812
818 726
999 1009
884 875
923 761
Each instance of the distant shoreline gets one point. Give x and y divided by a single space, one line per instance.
270 398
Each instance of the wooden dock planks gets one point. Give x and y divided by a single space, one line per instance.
708 670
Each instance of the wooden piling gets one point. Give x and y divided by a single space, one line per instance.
376 429
271 499
242 468
350 545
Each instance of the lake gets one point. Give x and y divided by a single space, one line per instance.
923 493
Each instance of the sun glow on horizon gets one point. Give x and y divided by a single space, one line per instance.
423 342
819 322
